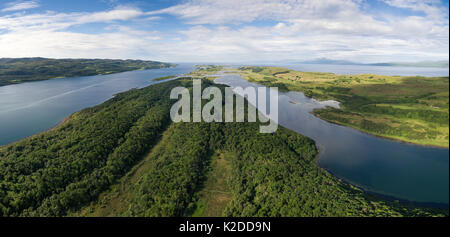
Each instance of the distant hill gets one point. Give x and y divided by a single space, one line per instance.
438 64
19 70
330 61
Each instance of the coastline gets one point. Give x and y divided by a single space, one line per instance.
379 195
64 120
58 125
377 135
370 193
375 194
97 74
356 128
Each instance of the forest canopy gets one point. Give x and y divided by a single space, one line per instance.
19 70
128 149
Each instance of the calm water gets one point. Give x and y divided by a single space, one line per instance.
411 172
405 171
30 108
362 69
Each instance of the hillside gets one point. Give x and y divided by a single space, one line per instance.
19 70
125 158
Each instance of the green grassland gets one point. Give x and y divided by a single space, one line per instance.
206 70
19 70
410 109
126 158
215 194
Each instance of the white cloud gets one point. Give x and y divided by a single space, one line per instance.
255 44
119 13
123 43
218 31
433 8
47 35
240 11
308 29
57 21
20 5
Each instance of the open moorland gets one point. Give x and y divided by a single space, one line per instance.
410 109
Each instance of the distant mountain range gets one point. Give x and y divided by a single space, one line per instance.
440 64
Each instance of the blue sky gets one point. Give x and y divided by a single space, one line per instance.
226 30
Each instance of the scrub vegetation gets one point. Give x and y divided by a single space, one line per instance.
125 158
19 70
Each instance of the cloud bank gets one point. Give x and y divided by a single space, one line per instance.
238 31
20 5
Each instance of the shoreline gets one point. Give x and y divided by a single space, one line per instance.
365 132
58 125
320 148
98 74
65 119
239 73
379 195
375 194
380 136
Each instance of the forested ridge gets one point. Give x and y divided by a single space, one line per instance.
69 170
19 70
64 168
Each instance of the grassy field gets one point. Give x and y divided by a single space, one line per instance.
410 109
215 195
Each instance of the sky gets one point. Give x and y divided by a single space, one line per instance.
227 31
